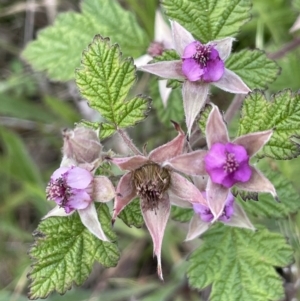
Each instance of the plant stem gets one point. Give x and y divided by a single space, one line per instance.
234 107
129 142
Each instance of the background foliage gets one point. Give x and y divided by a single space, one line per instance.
34 109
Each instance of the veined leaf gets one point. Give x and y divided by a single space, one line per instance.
239 264
254 67
282 114
131 215
105 79
266 206
209 20
65 251
58 47
181 214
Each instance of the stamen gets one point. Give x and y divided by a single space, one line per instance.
202 54
231 163
151 181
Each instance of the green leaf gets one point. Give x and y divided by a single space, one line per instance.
266 206
131 215
239 264
254 67
65 251
174 108
105 79
106 130
282 114
203 117
296 4
209 20
18 162
181 214
58 47
108 14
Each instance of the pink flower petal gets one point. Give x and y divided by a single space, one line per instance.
224 47
243 172
162 31
142 60
196 228
216 198
181 37
170 149
190 50
296 25
190 164
165 69
79 200
194 96
192 70
89 218
57 211
175 200
239 218
232 83
125 193
103 189
164 91
79 178
214 69
258 183
59 172
156 222
185 190
253 142
216 130
130 163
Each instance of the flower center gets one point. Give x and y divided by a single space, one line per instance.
231 163
155 49
202 54
151 181
58 189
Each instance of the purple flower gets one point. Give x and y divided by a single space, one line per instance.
157 186
75 188
199 66
232 215
70 188
202 62
206 215
226 163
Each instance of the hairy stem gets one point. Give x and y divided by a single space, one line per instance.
129 142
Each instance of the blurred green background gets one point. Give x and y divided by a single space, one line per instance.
34 110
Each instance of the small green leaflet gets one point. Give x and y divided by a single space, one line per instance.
65 251
131 215
266 206
254 67
105 80
239 264
282 114
209 20
58 47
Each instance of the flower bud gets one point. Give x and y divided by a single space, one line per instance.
81 144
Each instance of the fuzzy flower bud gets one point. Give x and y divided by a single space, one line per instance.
81 144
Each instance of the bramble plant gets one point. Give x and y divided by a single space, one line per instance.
219 183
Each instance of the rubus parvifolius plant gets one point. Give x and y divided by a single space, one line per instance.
222 183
